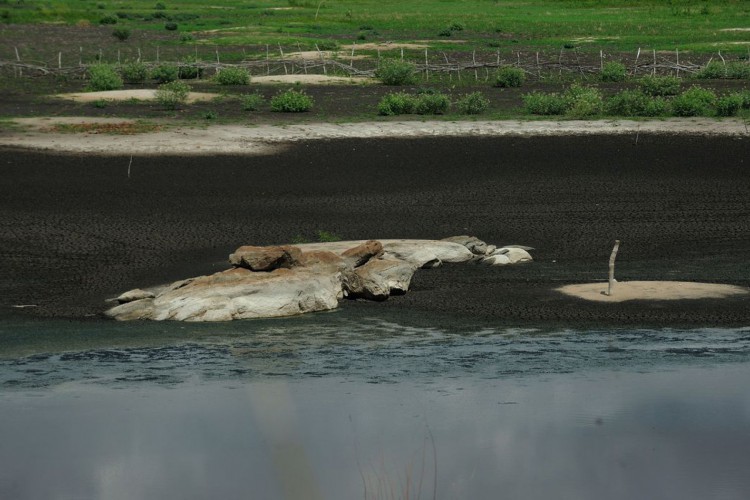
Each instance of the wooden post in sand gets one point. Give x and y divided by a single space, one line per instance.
612 267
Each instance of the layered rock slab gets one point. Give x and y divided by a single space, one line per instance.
288 280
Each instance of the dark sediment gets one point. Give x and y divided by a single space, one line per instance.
76 230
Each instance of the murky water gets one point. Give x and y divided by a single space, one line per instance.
345 406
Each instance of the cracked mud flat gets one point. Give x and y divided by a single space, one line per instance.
76 229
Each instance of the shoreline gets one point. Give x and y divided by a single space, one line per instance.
78 230
266 139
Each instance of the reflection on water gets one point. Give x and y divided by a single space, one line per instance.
340 407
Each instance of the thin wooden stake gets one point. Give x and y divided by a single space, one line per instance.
654 70
157 53
474 62
118 56
351 62
139 54
268 63
59 59
601 60
612 268
129 164
282 60
325 72
426 67
80 56
677 52
635 65
304 61
402 53
18 57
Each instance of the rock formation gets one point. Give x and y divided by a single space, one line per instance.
287 280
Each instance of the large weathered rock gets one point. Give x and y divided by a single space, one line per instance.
425 253
239 294
475 245
362 253
379 279
295 279
133 295
265 258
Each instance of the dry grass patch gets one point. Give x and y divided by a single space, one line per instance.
122 128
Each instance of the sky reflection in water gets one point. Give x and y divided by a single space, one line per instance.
324 407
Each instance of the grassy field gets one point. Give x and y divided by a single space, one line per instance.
613 25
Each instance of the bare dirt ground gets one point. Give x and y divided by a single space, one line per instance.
78 228
124 95
652 290
266 139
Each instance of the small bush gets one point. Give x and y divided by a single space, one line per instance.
396 72
398 103
583 101
508 76
108 20
635 103
121 34
291 101
134 72
252 102
165 73
170 26
100 104
613 72
473 104
104 77
188 69
738 70
328 45
541 103
446 32
712 71
210 115
232 76
172 95
660 85
160 6
187 37
696 101
456 27
327 236
729 105
431 104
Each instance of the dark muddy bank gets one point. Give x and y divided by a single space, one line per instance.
76 229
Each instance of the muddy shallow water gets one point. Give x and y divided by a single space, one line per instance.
344 405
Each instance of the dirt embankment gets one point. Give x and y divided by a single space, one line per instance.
76 229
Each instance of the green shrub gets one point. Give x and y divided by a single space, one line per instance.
397 103
187 37
456 26
160 6
738 70
188 69
100 104
583 101
121 34
508 76
541 103
431 103
170 26
696 101
635 103
745 99
252 102
104 77
172 95
712 71
445 32
613 72
327 236
210 115
396 72
473 104
165 73
108 20
328 45
660 85
730 105
134 72
291 101
232 76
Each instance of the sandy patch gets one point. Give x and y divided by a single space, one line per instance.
385 46
311 79
265 139
125 95
735 29
653 290
310 55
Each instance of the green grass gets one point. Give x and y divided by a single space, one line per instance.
624 25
